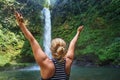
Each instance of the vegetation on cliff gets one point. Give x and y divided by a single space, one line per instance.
99 43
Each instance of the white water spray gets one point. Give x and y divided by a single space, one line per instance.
47 30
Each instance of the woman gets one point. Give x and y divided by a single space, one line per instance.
59 67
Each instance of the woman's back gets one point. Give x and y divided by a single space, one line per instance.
59 72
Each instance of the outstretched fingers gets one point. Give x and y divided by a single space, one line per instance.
17 14
19 17
80 28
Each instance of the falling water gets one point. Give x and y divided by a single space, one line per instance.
47 30
46 17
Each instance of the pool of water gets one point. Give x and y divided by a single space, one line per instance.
77 73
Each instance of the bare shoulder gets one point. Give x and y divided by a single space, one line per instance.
48 69
47 63
68 61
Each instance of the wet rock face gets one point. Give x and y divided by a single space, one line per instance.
87 60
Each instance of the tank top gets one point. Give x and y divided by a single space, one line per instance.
60 73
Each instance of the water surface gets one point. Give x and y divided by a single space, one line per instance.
77 73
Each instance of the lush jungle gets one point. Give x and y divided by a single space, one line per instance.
99 43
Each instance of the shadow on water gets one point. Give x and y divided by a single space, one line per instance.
77 73
101 73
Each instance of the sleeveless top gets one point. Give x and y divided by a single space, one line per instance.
60 73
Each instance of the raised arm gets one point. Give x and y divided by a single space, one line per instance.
71 48
39 55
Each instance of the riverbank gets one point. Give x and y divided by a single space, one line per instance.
91 64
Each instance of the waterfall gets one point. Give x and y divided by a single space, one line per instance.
47 31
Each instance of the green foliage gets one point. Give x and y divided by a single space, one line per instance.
13 46
10 46
101 28
100 36
46 4
110 52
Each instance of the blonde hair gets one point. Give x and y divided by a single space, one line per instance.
58 48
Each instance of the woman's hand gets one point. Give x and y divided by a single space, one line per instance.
19 17
79 28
